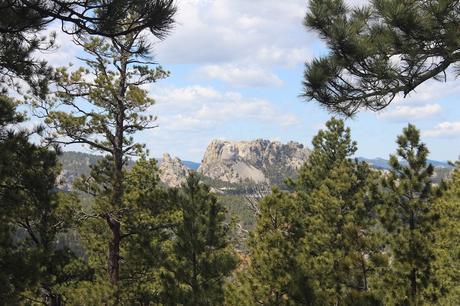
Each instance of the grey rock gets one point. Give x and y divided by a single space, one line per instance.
260 161
173 172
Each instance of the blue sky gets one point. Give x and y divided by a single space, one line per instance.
236 72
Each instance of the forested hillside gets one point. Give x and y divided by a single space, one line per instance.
256 222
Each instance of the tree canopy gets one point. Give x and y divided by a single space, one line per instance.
380 51
23 23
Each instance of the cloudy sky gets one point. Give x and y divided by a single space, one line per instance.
236 72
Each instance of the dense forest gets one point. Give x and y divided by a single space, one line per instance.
339 233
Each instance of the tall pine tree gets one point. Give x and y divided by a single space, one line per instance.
447 245
317 245
202 256
33 213
102 106
411 219
273 275
150 214
341 247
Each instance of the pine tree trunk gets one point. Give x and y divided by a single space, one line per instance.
413 280
117 192
114 251
50 298
117 201
413 273
364 271
55 300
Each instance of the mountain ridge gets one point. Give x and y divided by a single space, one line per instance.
235 162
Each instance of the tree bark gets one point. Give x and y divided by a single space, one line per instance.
413 273
55 300
413 280
113 217
114 251
117 192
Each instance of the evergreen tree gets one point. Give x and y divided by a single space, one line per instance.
14 278
318 245
411 219
95 17
149 216
202 256
274 276
23 22
447 251
102 107
341 246
33 213
380 50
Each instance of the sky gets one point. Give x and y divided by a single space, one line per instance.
236 74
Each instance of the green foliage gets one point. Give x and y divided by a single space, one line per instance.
330 148
102 106
33 215
274 275
341 249
316 245
23 22
19 39
380 50
149 214
114 93
96 17
410 217
447 245
202 256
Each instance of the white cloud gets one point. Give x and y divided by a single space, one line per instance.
445 129
65 51
257 32
429 91
185 97
411 112
241 76
197 107
284 56
357 3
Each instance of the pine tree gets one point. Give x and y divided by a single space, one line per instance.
317 245
13 277
150 215
202 256
106 102
274 276
23 23
411 219
380 50
33 214
341 247
95 17
447 251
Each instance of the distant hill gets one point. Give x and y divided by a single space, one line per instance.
235 163
191 165
381 163
442 170
76 164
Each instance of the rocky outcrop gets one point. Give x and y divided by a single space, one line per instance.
260 161
173 172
